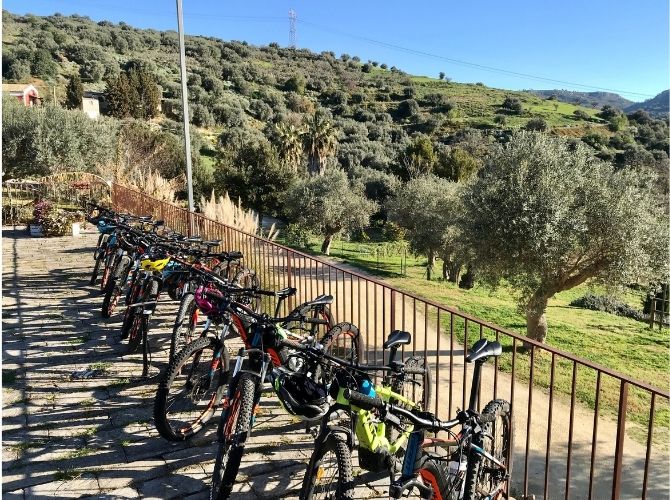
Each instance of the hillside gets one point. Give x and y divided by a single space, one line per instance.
218 68
658 106
588 99
244 99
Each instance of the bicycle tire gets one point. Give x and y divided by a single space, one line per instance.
436 473
246 278
337 444
336 338
114 287
495 439
414 367
229 454
140 319
185 319
107 271
96 268
171 428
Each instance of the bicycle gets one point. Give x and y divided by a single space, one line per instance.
304 393
194 383
478 463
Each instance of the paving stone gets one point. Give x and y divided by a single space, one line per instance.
86 484
120 475
126 492
176 485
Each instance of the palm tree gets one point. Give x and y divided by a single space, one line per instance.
289 144
320 139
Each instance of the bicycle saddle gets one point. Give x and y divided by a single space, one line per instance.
396 338
321 300
482 349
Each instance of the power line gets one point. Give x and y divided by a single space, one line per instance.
466 63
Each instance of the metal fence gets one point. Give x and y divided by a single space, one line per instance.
581 430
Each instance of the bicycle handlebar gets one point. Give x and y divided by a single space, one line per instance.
424 419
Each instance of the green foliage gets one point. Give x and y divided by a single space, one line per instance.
328 205
408 108
255 174
320 138
296 84
74 92
133 94
420 156
457 164
49 139
546 216
512 105
537 124
425 209
43 65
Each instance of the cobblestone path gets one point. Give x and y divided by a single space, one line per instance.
66 437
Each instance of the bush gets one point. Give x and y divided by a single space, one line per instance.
537 124
297 236
607 304
408 108
512 105
296 84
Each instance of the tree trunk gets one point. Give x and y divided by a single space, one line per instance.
445 271
430 265
468 279
325 247
454 271
536 319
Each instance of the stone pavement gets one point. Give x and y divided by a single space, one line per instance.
70 438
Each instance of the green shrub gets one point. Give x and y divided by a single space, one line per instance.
607 304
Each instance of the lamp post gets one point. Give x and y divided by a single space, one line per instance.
184 102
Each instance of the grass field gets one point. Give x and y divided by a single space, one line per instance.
616 342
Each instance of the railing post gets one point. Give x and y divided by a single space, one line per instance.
620 436
289 275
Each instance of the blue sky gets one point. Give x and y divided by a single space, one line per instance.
602 44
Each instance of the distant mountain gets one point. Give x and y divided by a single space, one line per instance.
588 99
658 106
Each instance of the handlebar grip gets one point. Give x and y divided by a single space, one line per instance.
362 401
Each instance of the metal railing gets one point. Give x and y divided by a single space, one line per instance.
581 430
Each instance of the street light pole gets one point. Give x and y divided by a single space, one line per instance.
184 102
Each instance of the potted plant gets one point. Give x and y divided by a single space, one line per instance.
40 214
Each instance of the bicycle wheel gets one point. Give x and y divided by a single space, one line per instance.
234 425
191 389
96 268
482 481
246 278
107 271
436 473
140 321
414 383
343 341
184 325
115 286
330 472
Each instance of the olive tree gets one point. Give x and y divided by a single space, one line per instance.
328 205
545 216
424 207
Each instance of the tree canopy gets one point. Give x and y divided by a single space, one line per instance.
545 215
328 205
